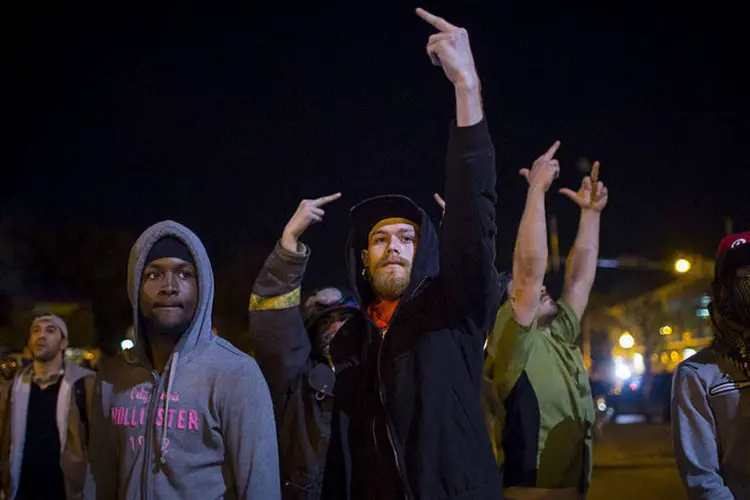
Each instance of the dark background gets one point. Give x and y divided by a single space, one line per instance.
224 118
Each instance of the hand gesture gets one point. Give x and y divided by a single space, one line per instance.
440 201
544 170
588 198
450 49
308 212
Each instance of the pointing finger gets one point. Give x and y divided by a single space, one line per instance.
595 171
438 22
326 199
551 151
524 172
440 201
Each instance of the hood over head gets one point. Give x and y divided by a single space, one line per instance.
326 301
362 219
200 327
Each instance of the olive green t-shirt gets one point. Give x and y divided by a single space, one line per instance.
542 434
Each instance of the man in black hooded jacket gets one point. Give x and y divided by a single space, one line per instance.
420 432
410 423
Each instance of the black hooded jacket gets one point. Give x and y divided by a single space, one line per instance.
427 371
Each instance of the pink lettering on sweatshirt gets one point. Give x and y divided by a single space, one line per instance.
135 414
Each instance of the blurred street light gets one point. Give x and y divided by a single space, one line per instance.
127 344
682 266
665 330
626 340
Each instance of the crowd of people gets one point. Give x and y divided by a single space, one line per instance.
430 375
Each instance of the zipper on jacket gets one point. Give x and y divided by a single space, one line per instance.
149 437
386 422
381 393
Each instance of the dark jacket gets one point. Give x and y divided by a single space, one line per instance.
428 369
303 383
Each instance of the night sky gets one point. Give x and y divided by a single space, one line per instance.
223 119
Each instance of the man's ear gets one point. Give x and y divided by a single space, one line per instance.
365 255
64 343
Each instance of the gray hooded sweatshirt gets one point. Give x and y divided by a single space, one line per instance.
202 429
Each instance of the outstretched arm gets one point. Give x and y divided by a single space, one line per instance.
530 255
580 270
282 346
467 273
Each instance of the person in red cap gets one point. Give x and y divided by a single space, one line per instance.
710 407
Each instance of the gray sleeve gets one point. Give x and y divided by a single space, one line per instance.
695 439
249 431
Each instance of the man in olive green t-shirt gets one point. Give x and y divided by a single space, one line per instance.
542 433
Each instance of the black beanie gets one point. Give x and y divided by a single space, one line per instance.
169 247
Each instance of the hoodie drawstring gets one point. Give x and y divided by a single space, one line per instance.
172 373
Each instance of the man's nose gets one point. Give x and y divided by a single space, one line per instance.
169 286
394 245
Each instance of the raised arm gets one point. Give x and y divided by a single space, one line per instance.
580 270
280 340
467 272
530 255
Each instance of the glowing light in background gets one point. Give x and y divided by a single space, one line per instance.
626 340
623 372
687 353
127 344
682 266
638 365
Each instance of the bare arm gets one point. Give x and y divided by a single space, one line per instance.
530 255
468 102
530 258
581 266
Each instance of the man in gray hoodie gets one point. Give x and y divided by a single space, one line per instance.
183 414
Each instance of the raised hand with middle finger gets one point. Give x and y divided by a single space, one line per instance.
588 198
308 212
544 170
451 50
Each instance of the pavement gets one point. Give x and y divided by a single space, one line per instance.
634 460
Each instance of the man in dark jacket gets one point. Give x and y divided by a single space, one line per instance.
420 433
410 421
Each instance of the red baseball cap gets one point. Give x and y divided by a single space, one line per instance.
731 242
733 252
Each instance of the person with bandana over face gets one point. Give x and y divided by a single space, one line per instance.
711 389
309 359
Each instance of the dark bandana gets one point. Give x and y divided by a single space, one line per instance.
732 339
